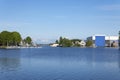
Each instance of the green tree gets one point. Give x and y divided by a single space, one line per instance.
5 38
60 41
9 38
16 38
74 40
67 43
57 42
89 43
64 42
28 40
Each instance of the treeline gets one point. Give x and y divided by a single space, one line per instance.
65 42
14 38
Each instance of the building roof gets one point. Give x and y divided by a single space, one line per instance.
106 37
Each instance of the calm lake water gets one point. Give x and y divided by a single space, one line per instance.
60 64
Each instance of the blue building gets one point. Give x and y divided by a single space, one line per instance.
102 40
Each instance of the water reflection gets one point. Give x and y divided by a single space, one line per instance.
119 60
61 64
9 60
76 58
9 63
89 56
76 63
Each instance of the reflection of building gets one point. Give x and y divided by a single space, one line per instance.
102 40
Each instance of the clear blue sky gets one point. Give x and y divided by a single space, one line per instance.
46 20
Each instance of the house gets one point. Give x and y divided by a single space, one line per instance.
83 43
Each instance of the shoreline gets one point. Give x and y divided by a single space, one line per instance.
15 47
22 47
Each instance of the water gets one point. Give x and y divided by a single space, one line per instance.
60 64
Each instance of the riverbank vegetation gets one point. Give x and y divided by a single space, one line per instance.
65 42
89 43
14 38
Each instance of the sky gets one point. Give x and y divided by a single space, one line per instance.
47 20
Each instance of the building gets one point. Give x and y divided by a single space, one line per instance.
83 43
103 40
54 45
78 43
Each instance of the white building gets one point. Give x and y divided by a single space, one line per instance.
54 45
83 43
103 40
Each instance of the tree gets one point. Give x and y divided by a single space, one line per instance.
60 41
9 38
89 43
57 42
64 42
74 40
5 38
67 43
28 40
16 38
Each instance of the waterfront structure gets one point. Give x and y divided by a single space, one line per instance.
83 43
54 45
103 40
78 43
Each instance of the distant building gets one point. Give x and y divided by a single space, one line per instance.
34 44
54 45
78 43
103 40
83 43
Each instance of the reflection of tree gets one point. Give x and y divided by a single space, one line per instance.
9 63
119 61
